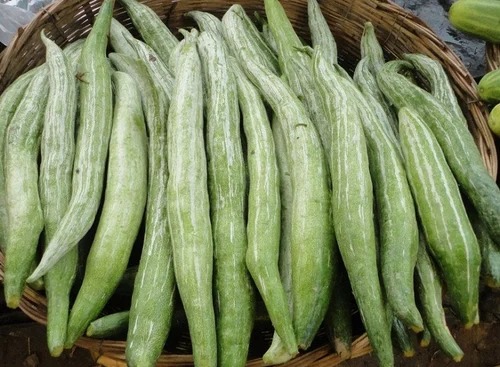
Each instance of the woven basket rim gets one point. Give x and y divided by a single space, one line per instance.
34 305
493 56
404 24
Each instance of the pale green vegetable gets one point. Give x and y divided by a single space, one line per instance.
234 299
150 321
188 203
108 326
122 211
455 140
56 173
352 206
395 213
152 29
439 83
264 212
429 290
445 224
9 100
311 235
321 35
95 120
121 39
24 211
238 29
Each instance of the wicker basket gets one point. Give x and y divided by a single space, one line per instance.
399 32
493 56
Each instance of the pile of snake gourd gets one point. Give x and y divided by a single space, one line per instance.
258 169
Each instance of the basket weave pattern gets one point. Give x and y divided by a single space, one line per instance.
398 31
493 56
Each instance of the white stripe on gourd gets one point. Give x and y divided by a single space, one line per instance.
446 226
188 203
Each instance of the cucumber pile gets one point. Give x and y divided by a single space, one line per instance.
249 166
489 91
481 18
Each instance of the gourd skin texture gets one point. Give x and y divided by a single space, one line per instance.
264 212
56 168
446 226
321 35
152 29
455 140
122 212
238 29
309 309
24 211
188 203
352 206
395 213
9 100
148 332
227 190
429 291
109 326
95 121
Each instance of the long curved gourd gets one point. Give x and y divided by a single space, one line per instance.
447 229
352 206
96 115
457 143
122 211
188 203
234 298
